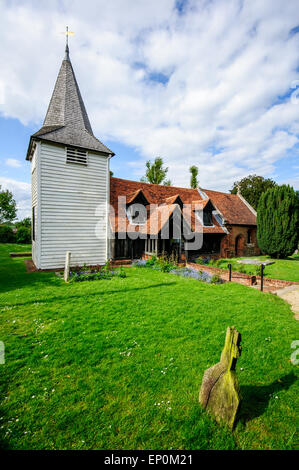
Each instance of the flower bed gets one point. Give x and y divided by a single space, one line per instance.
192 273
162 263
102 273
203 276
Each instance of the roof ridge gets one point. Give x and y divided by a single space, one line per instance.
220 192
173 187
154 184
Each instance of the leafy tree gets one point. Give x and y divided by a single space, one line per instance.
252 187
156 173
278 221
24 223
194 173
8 209
23 234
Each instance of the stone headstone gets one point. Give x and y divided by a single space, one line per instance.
219 393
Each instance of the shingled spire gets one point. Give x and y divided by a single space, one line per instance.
66 120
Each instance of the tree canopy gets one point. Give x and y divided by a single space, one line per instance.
194 173
252 187
278 221
156 173
24 223
8 207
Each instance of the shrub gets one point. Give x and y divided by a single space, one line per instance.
162 263
215 279
151 261
203 260
121 273
213 262
23 235
6 234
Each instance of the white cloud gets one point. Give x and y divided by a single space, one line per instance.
13 163
227 63
21 193
293 181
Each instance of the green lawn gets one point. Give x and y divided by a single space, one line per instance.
287 269
117 364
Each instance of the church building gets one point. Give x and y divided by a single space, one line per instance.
76 203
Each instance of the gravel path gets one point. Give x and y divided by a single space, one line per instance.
291 295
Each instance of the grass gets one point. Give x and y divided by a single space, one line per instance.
286 269
87 364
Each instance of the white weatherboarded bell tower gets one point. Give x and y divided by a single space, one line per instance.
70 181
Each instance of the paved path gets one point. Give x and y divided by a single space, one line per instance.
291 295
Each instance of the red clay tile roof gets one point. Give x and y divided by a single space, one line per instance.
230 205
133 196
232 208
172 199
154 193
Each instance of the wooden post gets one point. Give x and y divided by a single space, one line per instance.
67 266
230 272
262 277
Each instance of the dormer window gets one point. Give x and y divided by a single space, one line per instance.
205 215
76 155
137 214
136 207
207 219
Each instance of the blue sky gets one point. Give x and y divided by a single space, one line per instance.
210 83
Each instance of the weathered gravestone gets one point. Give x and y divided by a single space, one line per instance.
219 393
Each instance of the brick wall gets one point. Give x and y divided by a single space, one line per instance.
228 243
245 279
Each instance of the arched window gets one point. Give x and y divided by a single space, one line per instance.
249 236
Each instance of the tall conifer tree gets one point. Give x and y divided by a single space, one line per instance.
278 221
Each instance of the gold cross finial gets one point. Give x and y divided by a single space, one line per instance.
67 34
